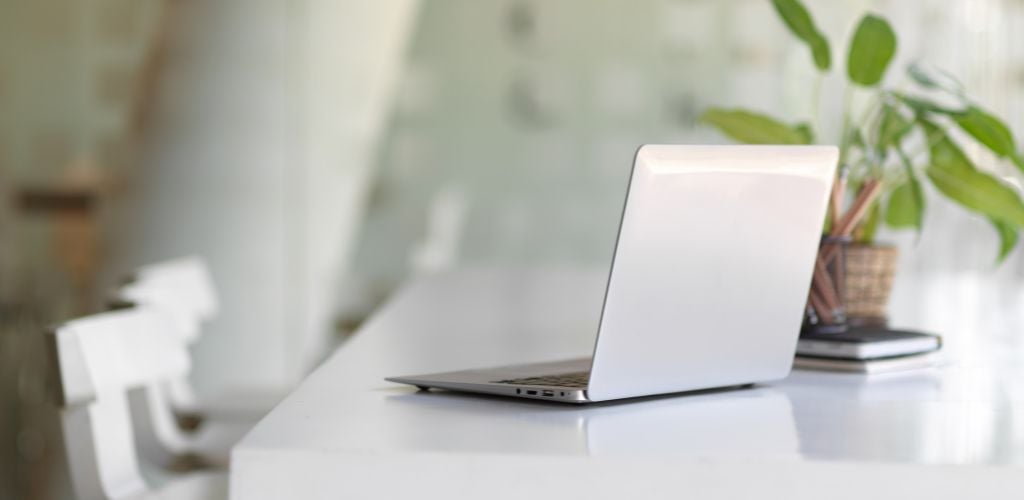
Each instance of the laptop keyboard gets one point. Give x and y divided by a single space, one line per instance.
562 380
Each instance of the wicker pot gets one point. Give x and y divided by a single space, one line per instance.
870 270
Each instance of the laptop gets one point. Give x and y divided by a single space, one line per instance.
708 281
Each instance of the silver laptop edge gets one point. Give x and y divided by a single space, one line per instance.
708 280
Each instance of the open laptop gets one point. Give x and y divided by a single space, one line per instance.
708 281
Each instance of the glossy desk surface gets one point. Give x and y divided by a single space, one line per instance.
955 431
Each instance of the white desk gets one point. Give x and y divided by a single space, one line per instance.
954 432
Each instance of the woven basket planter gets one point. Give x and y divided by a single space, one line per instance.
870 270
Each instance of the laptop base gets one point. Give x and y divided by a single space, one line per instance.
501 381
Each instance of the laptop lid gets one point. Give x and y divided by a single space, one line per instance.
712 267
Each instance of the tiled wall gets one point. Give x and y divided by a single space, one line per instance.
68 76
518 119
69 81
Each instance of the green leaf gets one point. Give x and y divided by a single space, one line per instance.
892 127
857 139
921 105
976 122
806 132
988 130
935 79
906 203
906 206
799 21
1008 237
955 176
866 233
991 132
753 128
871 50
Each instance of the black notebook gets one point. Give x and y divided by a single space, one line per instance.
866 343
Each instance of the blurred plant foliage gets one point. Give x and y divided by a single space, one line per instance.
903 137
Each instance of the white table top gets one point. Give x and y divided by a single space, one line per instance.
954 431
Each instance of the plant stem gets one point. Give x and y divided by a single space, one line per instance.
816 103
869 112
914 154
871 118
844 137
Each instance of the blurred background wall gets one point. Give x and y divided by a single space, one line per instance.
516 122
256 157
319 152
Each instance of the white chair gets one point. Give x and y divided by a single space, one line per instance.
99 359
184 287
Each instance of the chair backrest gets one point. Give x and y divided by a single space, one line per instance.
99 359
183 287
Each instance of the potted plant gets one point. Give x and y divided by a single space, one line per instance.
902 138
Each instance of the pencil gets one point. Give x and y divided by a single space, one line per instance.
827 286
838 192
860 207
824 314
852 217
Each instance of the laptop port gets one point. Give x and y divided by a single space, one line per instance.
548 393
532 393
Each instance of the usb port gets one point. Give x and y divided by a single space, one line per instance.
532 393
549 393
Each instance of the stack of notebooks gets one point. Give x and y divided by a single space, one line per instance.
867 350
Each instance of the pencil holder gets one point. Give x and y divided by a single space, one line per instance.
870 270
826 311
